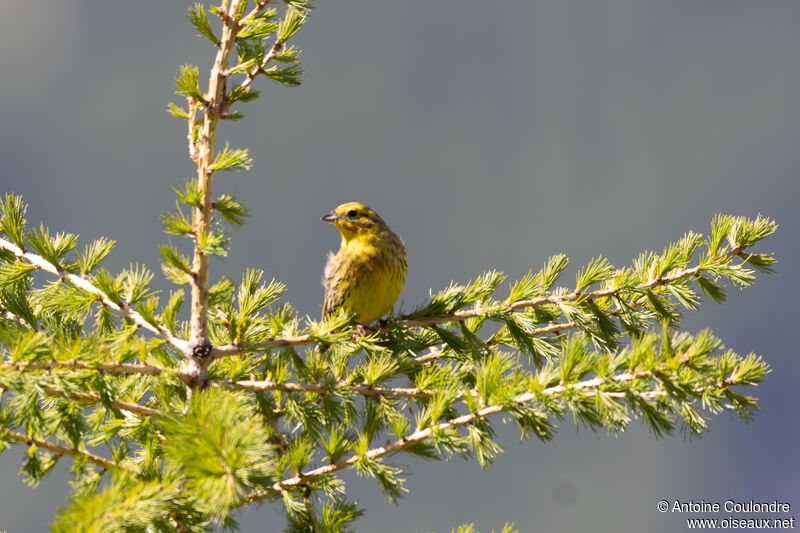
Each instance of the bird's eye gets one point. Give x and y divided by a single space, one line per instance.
352 213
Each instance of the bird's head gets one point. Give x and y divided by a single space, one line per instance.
355 220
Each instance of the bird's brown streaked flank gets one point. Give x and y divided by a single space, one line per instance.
368 272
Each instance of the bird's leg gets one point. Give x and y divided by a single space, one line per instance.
363 331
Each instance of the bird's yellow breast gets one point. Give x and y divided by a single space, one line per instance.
367 276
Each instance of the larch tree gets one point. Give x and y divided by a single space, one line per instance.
174 417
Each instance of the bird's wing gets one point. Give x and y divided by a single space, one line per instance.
333 296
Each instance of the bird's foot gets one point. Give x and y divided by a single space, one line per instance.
363 331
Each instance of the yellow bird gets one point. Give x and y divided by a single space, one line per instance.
368 272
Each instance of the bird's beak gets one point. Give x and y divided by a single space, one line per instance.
330 217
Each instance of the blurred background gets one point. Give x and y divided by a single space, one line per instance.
488 135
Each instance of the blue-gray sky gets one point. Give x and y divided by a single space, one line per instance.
489 135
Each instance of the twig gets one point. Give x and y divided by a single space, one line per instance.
423 434
114 368
180 527
15 318
192 123
227 350
576 295
205 172
437 351
252 385
123 307
93 397
361 389
255 71
283 447
312 513
259 7
62 450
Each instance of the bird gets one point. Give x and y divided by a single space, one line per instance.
367 274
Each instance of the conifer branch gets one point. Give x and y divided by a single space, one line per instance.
215 102
313 519
8 315
323 390
673 276
436 352
589 387
433 354
574 296
426 433
228 350
113 368
256 386
258 69
282 450
123 307
94 398
180 527
63 450
258 8
84 397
